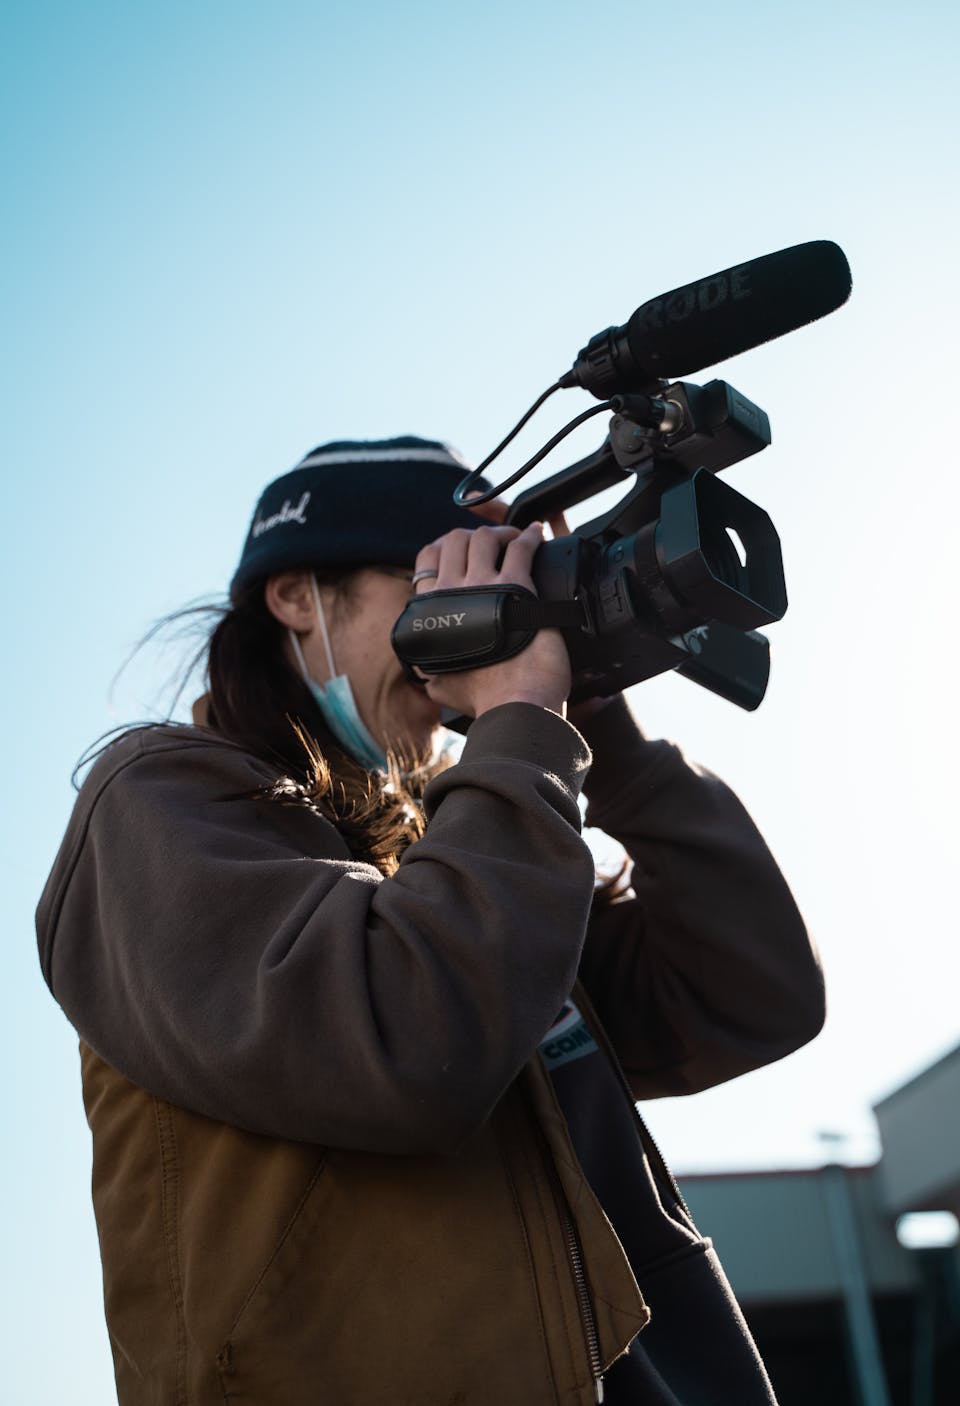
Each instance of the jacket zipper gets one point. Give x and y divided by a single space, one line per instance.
578 1274
583 1297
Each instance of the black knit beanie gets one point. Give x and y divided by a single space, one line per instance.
355 503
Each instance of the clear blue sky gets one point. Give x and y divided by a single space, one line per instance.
234 230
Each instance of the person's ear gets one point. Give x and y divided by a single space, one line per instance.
289 599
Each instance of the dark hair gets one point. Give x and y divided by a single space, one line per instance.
255 698
258 700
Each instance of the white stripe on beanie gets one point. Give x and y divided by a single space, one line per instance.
379 456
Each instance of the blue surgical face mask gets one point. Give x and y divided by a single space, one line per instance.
336 701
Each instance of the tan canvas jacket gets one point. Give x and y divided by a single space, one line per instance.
328 1165
252 1269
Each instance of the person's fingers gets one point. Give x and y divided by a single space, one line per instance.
479 557
426 568
487 545
558 525
518 557
452 566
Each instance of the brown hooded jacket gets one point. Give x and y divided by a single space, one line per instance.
329 1165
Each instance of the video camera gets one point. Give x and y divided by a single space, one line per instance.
679 574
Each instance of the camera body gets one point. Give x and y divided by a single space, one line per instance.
677 575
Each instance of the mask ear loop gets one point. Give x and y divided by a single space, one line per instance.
295 639
323 626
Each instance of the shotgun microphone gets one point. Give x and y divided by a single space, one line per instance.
715 318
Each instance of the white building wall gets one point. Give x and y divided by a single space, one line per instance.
773 1233
920 1131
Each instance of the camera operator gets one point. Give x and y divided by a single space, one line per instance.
361 1032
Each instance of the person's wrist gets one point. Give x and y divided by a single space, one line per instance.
540 698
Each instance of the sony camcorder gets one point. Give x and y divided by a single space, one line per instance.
682 571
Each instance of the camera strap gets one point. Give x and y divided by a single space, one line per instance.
442 632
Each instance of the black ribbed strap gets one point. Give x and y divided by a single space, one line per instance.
442 632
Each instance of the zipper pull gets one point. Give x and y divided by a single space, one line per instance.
598 1390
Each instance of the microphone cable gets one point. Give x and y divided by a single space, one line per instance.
464 488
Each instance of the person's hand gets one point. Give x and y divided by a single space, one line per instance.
541 673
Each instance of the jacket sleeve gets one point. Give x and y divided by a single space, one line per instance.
708 971
228 955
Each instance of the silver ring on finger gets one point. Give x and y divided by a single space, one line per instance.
425 575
